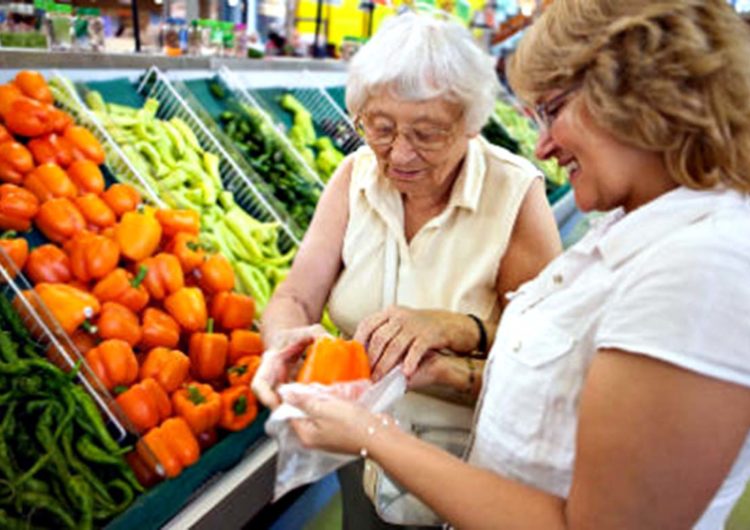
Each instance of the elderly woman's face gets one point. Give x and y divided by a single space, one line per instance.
419 145
605 173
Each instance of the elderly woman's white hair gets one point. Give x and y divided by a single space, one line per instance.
417 57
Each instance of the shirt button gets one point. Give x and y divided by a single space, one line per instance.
557 279
517 346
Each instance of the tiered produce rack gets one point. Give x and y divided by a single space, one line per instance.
233 480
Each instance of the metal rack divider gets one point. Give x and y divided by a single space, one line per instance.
48 333
116 160
326 114
231 80
326 111
155 84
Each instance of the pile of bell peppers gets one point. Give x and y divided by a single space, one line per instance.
168 155
152 311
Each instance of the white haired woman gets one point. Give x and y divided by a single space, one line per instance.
421 233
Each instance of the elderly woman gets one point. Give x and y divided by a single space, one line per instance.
616 393
394 248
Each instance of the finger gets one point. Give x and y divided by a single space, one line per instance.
380 340
292 351
394 352
417 351
367 327
265 393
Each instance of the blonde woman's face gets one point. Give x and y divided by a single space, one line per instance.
605 173
419 145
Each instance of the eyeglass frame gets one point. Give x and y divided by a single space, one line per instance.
408 135
546 112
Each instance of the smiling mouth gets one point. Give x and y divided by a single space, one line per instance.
572 168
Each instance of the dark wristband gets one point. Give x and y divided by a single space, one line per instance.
482 346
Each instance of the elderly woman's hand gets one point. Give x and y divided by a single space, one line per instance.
401 334
333 424
284 350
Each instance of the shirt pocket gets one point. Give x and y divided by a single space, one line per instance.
536 363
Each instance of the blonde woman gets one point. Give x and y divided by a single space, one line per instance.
617 393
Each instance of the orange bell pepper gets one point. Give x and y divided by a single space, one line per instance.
164 275
4 135
188 307
95 210
59 220
33 85
200 406
216 274
329 360
16 250
49 181
243 371
159 329
120 286
232 310
208 353
8 94
52 148
118 322
15 162
92 256
238 408
113 362
188 250
87 176
82 342
145 404
138 235
48 263
18 207
70 306
242 343
169 367
173 445
88 250
30 118
85 143
122 198
60 121
174 221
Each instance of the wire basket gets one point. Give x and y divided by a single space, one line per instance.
236 175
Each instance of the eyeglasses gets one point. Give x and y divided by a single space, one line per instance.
381 133
545 113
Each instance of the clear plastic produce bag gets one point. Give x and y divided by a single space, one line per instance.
297 465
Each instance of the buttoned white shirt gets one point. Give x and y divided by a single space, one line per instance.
670 280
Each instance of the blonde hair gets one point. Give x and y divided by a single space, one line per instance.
418 57
669 76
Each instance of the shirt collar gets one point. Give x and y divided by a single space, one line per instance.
386 200
626 235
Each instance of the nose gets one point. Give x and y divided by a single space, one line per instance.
545 145
401 150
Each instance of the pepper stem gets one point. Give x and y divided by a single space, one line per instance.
240 405
142 271
210 326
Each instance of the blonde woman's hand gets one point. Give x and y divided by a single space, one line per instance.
275 367
399 334
332 424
